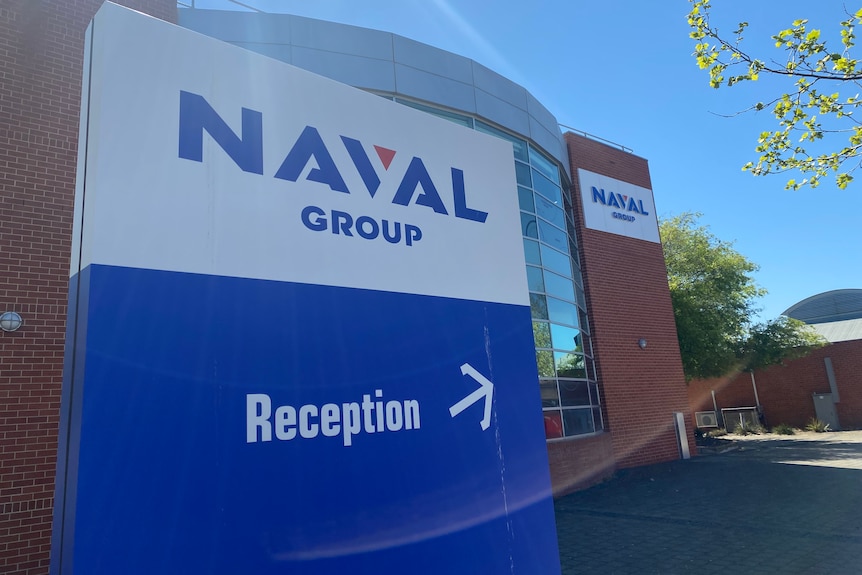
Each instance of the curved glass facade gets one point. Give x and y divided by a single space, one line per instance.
564 354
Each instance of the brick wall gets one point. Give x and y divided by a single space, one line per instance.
786 391
41 57
628 299
579 463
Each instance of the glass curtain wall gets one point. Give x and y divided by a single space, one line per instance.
564 353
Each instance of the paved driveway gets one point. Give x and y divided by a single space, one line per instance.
771 504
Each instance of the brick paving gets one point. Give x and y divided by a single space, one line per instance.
770 504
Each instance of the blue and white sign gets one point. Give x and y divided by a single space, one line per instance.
299 336
618 207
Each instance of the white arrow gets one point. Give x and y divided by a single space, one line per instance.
486 390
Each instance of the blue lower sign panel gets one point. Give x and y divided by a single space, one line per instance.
247 426
259 378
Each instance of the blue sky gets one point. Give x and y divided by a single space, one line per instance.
623 71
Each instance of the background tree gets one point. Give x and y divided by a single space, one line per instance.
544 359
712 291
776 341
817 133
713 295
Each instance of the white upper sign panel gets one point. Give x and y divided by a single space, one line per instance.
206 158
614 206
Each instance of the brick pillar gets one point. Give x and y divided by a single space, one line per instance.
625 281
41 58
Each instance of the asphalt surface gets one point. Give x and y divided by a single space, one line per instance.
758 504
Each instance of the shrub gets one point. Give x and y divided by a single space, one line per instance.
783 429
748 429
817 425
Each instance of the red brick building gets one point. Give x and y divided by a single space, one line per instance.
41 58
628 299
635 388
827 384
787 392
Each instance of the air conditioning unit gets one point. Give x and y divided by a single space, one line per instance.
706 419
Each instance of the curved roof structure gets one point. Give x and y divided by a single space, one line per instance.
387 64
835 305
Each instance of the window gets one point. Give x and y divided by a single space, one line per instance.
460 119
564 355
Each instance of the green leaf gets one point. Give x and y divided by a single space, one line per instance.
809 65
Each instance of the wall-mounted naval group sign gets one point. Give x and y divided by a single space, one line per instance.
618 207
299 338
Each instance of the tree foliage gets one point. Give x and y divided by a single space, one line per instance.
544 359
713 294
818 134
777 340
712 291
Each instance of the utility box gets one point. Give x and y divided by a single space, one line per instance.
824 408
706 419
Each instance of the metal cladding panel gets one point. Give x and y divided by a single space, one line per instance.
283 52
340 38
500 87
267 374
502 112
433 88
351 69
434 60
236 26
